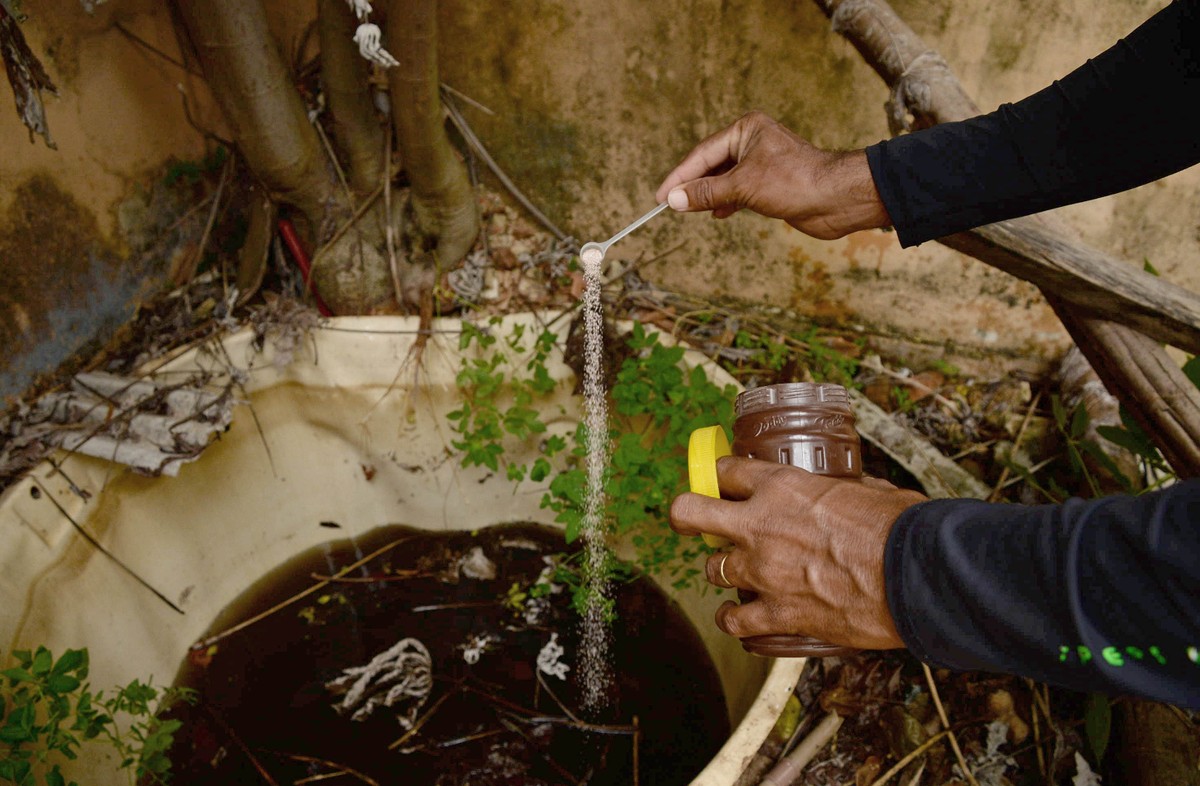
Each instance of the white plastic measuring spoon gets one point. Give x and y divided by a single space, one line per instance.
592 254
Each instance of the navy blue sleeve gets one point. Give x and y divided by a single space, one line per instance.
1121 120
1097 595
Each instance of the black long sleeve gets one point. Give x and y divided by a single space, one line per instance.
1121 120
1098 595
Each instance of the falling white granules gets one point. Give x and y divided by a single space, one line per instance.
595 672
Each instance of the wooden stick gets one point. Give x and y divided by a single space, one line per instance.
929 743
1016 445
225 727
789 766
208 642
937 702
420 722
342 769
637 735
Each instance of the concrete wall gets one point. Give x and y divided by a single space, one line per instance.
596 102
75 253
593 103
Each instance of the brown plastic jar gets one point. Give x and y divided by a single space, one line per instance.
810 426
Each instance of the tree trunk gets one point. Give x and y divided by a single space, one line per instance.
1134 368
357 131
246 72
446 213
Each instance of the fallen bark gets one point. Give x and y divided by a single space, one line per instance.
26 76
152 427
1134 367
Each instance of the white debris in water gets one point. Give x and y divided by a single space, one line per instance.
476 646
535 610
537 607
548 659
476 565
1083 773
997 736
595 675
399 674
547 576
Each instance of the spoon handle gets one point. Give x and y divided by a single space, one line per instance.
658 209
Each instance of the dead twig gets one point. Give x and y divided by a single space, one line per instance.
637 736
468 738
397 576
531 716
460 122
208 642
1037 733
563 707
342 769
1000 484
185 274
389 226
939 476
875 364
144 44
937 702
233 735
515 729
420 721
262 434
359 212
465 604
900 765
96 544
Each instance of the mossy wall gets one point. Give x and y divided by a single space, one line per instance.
591 104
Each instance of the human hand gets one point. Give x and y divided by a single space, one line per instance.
758 164
811 547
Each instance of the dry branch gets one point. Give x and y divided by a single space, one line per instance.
1134 367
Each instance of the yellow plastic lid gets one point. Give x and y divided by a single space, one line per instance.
705 446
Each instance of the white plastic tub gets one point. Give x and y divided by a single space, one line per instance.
349 431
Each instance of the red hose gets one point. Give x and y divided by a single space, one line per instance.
290 239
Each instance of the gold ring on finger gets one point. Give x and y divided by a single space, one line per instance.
721 570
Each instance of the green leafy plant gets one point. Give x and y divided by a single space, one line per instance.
1131 436
776 353
827 364
49 711
569 571
904 400
1097 724
500 386
656 402
191 171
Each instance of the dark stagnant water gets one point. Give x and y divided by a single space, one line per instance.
266 703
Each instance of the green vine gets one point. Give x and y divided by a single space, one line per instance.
49 711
